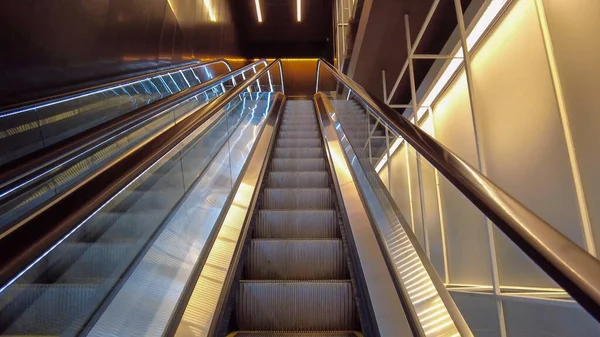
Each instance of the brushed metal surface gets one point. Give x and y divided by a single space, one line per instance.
163 272
389 313
294 334
297 198
301 224
285 259
296 305
298 164
197 317
298 179
289 153
302 142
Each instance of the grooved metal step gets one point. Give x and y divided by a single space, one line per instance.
296 224
295 280
294 334
298 179
302 142
296 306
296 152
299 127
299 134
297 198
298 164
279 259
43 309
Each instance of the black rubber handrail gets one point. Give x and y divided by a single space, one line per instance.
574 269
123 81
46 229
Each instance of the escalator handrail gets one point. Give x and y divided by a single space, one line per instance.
574 269
58 222
53 99
53 161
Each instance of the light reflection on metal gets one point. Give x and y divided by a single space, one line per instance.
154 165
199 312
387 307
430 310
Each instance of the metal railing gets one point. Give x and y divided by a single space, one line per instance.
563 260
151 170
37 125
31 186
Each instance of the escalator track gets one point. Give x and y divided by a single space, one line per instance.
296 279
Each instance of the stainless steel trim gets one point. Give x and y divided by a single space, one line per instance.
390 316
21 260
432 307
24 174
568 264
11 109
198 316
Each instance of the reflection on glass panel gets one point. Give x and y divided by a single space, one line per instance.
29 129
61 292
463 245
27 198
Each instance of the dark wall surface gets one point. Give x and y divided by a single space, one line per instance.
280 35
48 47
383 44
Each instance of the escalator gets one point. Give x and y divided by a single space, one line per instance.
28 128
296 275
255 215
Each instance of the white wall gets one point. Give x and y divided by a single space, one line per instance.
533 130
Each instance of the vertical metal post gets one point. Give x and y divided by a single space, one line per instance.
384 85
337 33
389 158
281 76
257 80
270 81
411 70
422 202
369 139
440 209
562 108
318 75
480 162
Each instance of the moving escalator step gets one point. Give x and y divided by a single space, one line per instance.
295 334
296 305
297 164
297 198
298 179
296 259
296 152
296 279
301 224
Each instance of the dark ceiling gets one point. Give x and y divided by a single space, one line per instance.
280 35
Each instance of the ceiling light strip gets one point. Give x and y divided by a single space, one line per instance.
258 12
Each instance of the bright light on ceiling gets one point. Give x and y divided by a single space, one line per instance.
258 12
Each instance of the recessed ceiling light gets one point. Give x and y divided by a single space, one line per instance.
258 13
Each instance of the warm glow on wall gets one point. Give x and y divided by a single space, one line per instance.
483 24
258 12
210 11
